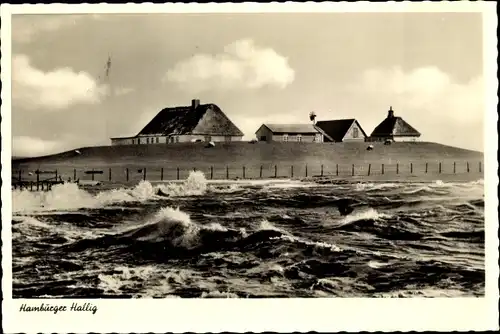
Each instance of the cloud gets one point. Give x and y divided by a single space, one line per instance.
122 91
241 65
26 27
442 108
25 146
53 90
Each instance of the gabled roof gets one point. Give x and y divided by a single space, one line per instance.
394 126
338 128
292 128
184 120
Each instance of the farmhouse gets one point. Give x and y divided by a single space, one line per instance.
197 122
394 128
342 130
291 133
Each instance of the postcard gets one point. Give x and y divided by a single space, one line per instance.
249 167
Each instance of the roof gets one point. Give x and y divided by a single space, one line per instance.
186 120
292 128
338 128
394 126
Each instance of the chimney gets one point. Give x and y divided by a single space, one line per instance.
390 113
195 103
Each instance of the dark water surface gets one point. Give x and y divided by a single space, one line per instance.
250 239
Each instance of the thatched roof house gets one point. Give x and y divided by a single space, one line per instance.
394 128
197 122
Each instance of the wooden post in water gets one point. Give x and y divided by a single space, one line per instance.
479 166
411 167
468 170
161 174
426 167
74 175
93 174
194 169
260 174
291 170
369 168
126 172
211 172
37 179
275 171
352 170
227 172
397 168
306 170
144 174
440 168
454 167
178 174
243 171
382 169
321 170
337 169
109 176
31 185
56 175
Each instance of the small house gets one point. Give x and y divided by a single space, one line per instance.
290 133
342 130
394 128
197 122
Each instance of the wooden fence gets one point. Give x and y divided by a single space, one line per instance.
23 178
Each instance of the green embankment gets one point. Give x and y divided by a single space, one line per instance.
395 161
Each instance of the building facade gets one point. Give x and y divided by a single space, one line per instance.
195 123
307 133
342 130
394 128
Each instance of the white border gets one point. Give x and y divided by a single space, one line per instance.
215 315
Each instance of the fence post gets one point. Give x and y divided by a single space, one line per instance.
440 168
352 169
31 185
126 172
275 171
178 173
306 170
467 167
74 174
161 174
194 169
369 168
411 167
291 170
337 169
479 166
56 174
321 170
243 171
227 172
260 171
110 174
454 167
211 172
397 168
382 169
37 179
144 173
92 174
426 167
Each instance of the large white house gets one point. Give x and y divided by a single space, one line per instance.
197 122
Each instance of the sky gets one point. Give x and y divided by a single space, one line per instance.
258 68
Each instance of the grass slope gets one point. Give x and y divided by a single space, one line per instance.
233 156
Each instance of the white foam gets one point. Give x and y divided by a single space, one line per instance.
364 215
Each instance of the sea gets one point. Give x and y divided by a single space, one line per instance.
249 239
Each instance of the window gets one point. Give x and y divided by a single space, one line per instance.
227 138
355 133
285 137
147 140
157 140
172 140
317 138
299 138
208 138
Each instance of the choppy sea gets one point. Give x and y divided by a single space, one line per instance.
275 238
